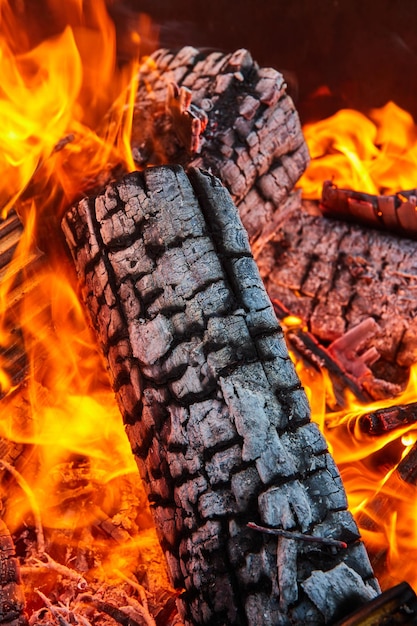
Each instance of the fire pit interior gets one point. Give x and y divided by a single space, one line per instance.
169 313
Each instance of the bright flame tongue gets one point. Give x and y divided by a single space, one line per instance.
375 154
63 105
66 89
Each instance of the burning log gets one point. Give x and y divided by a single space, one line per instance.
334 275
18 278
213 409
396 213
226 115
389 418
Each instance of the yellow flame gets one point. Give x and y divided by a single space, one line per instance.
66 109
375 154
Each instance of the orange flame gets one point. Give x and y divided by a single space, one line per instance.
66 91
66 109
375 154
382 503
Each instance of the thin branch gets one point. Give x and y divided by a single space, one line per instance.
135 585
65 571
32 501
52 609
289 534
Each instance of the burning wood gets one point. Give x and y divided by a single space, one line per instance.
12 602
334 275
397 213
193 347
252 137
388 418
212 406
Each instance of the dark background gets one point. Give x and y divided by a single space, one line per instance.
364 51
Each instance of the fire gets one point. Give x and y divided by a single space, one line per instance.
380 500
65 91
376 154
65 107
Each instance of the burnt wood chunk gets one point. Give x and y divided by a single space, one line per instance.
388 418
214 411
225 114
334 275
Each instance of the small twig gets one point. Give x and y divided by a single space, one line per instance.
52 609
32 501
63 142
289 534
137 612
50 563
119 616
135 585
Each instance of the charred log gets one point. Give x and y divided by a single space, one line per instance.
214 411
225 114
334 275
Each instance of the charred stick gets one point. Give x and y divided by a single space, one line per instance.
407 468
289 534
388 418
55 612
395 213
23 484
119 615
311 351
47 562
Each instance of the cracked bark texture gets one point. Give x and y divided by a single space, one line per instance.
253 140
12 600
335 274
214 411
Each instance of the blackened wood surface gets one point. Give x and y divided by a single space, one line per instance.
253 140
214 411
335 274
12 601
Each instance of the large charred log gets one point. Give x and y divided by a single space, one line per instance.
214 411
225 114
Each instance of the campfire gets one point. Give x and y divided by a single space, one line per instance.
238 513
